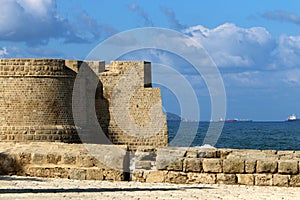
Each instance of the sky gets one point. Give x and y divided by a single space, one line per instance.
254 44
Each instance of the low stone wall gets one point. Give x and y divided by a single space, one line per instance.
217 166
60 160
150 164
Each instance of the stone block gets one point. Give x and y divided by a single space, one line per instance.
138 175
192 165
146 165
85 161
201 178
266 166
144 156
281 180
53 158
78 174
155 177
169 163
224 153
250 166
226 179
233 166
287 167
24 158
113 175
295 181
176 177
175 152
69 159
38 158
245 179
212 165
94 174
263 179
208 153
192 153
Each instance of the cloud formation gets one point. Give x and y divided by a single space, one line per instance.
174 23
37 22
233 46
140 11
282 16
3 52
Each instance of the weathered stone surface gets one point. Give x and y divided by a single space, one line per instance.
192 165
245 179
53 158
295 181
23 158
213 165
94 174
178 152
145 156
113 175
78 174
176 177
281 180
250 166
192 153
138 175
169 163
202 178
208 153
85 161
146 165
285 155
233 166
263 179
38 158
287 167
226 178
266 166
155 177
69 159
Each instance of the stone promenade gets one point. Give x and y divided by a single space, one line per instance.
16 187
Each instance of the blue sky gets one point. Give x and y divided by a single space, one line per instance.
255 44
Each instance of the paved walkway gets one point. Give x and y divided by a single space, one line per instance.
13 187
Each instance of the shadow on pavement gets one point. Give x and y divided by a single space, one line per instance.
70 190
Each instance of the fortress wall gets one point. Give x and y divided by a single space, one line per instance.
36 100
131 105
217 166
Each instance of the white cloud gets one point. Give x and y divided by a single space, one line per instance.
233 46
3 51
38 21
288 52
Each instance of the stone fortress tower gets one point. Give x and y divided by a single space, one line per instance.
36 102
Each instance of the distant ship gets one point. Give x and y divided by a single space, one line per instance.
227 120
292 118
235 120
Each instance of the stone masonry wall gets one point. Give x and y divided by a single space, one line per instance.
60 160
36 102
126 87
217 166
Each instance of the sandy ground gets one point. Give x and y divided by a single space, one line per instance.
13 187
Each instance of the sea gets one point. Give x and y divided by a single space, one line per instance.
237 135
